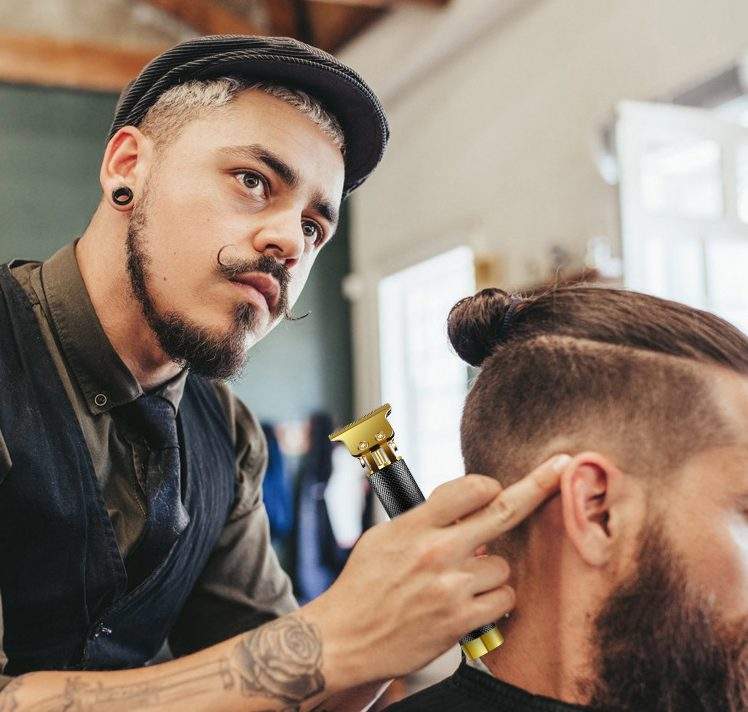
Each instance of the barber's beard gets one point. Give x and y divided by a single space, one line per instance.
184 341
661 648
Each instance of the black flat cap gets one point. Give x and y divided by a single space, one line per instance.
279 60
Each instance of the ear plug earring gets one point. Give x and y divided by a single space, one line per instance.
122 195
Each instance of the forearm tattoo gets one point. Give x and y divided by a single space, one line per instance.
82 696
281 660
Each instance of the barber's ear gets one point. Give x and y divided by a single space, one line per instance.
126 163
586 485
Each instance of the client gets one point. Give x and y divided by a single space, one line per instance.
632 583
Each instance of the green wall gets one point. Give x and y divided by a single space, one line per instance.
51 142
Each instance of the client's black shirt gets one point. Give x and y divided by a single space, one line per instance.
471 690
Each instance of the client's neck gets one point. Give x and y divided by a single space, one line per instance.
546 649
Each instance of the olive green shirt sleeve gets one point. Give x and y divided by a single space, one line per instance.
243 584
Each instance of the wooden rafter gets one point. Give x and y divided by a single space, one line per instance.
282 16
379 3
80 65
87 65
336 24
207 17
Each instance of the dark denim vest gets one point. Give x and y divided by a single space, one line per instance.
62 579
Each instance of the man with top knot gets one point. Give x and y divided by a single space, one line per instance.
632 582
130 477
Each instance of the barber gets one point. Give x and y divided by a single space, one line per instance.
130 476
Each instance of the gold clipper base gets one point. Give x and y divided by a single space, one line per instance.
478 647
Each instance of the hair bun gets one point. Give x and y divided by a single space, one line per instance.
477 325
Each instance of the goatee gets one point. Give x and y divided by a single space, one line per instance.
181 339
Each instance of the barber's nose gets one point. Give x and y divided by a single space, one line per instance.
281 236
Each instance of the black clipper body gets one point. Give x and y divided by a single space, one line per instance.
370 439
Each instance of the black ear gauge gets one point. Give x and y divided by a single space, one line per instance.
122 195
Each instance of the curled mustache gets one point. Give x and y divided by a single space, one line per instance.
269 265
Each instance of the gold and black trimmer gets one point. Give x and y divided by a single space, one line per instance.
370 439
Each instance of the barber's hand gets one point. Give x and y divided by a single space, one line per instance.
413 586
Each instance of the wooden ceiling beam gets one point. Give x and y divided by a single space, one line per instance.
336 24
207 17
380 3
41 60
282 17
73 64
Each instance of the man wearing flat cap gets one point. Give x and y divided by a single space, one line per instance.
130 477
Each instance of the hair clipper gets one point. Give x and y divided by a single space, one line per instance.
370 439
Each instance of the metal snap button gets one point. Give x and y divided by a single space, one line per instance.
101 400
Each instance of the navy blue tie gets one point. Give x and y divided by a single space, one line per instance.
166 519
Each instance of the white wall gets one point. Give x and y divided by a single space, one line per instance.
497 140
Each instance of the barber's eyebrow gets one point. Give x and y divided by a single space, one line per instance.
285 172
259 153
325 208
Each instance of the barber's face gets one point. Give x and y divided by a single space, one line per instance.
256 185
674 636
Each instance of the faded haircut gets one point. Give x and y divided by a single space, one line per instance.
194 99
578 368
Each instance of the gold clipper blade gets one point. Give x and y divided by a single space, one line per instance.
370 439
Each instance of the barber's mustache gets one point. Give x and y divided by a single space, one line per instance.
264 263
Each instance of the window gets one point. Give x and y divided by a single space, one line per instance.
422 378
684 204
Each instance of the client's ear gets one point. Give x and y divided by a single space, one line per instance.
585 501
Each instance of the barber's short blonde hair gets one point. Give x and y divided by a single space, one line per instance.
183 103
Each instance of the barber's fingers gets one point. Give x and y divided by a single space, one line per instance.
459 498
489 607
513 504
485 573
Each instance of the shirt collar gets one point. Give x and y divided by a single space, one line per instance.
102 376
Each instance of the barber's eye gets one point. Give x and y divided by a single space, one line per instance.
312 231
254 183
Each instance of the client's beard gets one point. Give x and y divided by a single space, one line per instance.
181 339
661 648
